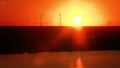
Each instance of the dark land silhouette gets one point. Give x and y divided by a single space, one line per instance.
20 39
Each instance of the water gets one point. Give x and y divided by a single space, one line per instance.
87 59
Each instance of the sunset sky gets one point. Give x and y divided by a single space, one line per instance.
91 11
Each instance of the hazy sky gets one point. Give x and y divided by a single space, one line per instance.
30 10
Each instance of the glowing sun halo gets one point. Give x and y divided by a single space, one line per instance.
77 20
79 14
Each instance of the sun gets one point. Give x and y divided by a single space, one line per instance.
77 20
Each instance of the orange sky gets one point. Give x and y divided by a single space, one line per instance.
30 10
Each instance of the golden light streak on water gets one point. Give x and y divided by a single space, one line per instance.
79 63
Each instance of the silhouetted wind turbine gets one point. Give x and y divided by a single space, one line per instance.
60 20
41 20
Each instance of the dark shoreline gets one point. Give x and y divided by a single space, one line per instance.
20 39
